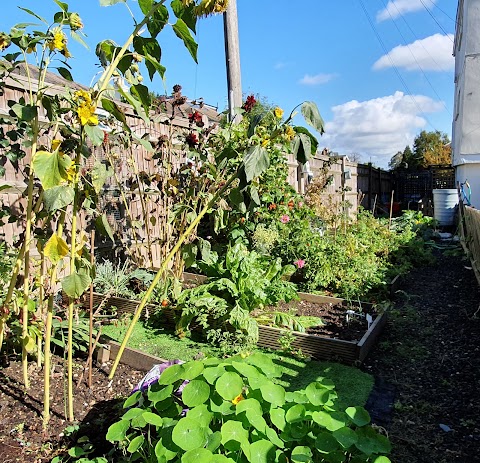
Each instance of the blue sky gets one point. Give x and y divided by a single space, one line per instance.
380 71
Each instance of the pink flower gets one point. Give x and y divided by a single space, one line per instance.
285 218
300 204
300 263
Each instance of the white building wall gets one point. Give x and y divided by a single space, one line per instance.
466 123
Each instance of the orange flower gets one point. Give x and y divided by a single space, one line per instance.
291 204
237 399
272 207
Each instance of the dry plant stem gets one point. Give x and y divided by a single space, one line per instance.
48 332
71 302
90 331
163 269
41 302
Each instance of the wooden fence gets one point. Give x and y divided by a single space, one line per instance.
146 209
470 235
374 186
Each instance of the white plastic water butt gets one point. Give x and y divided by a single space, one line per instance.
444 204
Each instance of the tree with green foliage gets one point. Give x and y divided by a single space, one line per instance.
429 149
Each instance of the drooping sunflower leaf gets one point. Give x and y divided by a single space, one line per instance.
183 33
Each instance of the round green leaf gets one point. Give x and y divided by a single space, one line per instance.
251 407
51 168
295 414
317 394
172 374
234 431
152 418
136 443
189 434
358 415
326 443
345 436
229 385
211 374
262 451
195 393
273 393
382 459
192 369
197 456
213 441
301 454
330 420
157 392
221 459
277 415
76 284
132 400
369 441
200 414
132 413
118 431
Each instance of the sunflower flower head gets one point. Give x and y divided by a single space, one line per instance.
56 144
86 114
278 112
289 133
5 41
82 97
75 22
58 40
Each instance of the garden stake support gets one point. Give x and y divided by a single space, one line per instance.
163 269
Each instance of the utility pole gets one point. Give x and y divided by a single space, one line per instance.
232 55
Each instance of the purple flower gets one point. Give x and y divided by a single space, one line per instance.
285 218
300 263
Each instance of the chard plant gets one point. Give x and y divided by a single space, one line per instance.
233 411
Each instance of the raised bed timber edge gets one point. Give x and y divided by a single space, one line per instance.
317 347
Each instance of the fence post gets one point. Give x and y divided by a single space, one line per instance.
370 184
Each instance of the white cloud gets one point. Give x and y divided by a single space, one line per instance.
317 79
433 53
396 8
378 128
281 65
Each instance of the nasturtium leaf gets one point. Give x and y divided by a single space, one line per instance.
264 364
273 437
118 431
250 407
213 441
138 422
114 110
273 393
262 451
132 413
298 430
136 443
330 420
234 431
152 418
256 162
277 415
345 436
312 116
358 415
197 456
56 248
224 407
181 30
326 443
189 435
301 454
369 441
229 385
58 197
76 284
212 373
192 369
172 374
382 459
132 400
51 168
295 414
221 459
195 393
317 394
280 457
200 414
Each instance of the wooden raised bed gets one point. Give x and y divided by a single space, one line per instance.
317 347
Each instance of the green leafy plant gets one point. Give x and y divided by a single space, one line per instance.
233 411
239 283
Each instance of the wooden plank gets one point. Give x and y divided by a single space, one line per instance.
133 357
368 341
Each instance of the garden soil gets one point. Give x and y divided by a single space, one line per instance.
426 367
